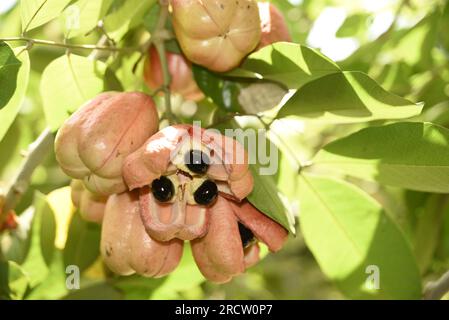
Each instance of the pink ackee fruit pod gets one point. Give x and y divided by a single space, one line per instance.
216 34
231 243
92 144
90 205
125 245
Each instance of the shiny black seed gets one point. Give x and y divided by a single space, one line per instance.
197 161
163 189
206 193
246 235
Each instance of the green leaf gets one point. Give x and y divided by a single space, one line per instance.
18 137
151 19
421 37
442 251
83 16
67 83
98 291
350 235
111 82
263 158
13 281
83 243
346 97
444 25
137 287
10 23
412 46
41 252
38 12
291 64
9 68
408 155
125 15
428 229
53 285
9 111
47 226
224 93
353 25
266 198
61 203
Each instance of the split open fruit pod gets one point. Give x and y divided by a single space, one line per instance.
180 172
92 144
192 184
127 248
216 34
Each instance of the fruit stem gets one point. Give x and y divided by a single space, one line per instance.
437 289
159 43
36 153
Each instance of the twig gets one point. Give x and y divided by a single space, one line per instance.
36 153
32 41
96 53
435 290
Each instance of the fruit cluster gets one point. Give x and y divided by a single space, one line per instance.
216 35
152 190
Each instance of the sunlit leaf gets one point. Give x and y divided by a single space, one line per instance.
124 74
125 15
414 46
18 137
288 63
10 23
352 238
67 83
353 25
9 112
38 12
347 97
53 285
409 155
83 16
61 204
